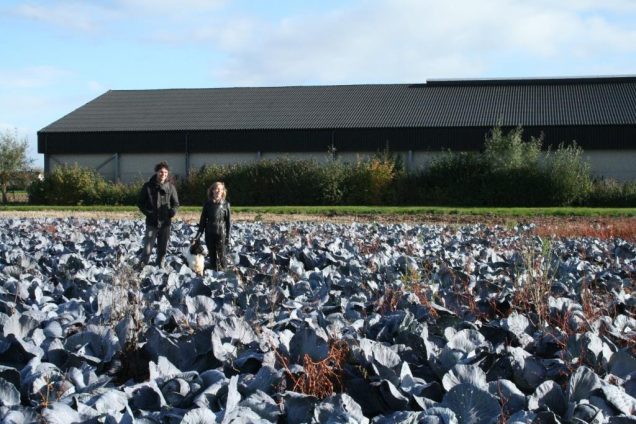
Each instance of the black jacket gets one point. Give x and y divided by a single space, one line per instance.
158 202
215 219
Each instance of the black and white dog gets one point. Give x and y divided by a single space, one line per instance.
195 255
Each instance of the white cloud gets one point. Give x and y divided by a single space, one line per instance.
31 77
100 17
96 87
171 7
615 6
74 15
366 40
410 40
33 97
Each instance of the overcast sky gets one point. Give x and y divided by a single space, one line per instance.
59 54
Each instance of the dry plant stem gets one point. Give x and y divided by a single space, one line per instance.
125 300
45 401
388 302
319 378
533 292
285 363
412 281
503 417
594 304
323 378
45 398
421 295
273 293
624 228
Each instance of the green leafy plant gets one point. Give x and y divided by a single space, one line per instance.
371 181
569 175
69 185
14 162
610 192
508 150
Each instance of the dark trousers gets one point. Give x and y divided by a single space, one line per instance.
161 235
216 250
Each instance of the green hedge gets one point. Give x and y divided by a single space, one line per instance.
75 185
609 192
509 172
296 182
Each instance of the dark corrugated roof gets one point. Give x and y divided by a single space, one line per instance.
463 103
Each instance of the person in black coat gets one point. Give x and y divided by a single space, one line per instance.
215 222
158 201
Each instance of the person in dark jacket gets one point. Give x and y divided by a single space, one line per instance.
215 222
159 202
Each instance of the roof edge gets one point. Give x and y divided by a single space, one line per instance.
448 82
530 81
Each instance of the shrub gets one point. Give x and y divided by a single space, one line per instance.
287 182
609 192
75 185
508 173
371 181
69 185
120 194
193 189
331 177
504 151
514 175
454 179
569 175
517 187
280 181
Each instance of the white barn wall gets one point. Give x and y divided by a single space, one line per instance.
133 167
104 161
617 164
197 160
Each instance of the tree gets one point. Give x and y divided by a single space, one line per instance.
13 159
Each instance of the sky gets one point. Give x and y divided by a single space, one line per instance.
57 55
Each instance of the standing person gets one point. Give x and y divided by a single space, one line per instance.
159 202
216 222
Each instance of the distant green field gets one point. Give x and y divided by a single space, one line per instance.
365 210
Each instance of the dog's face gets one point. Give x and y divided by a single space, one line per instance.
196 248
194 259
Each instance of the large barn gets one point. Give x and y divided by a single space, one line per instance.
123 133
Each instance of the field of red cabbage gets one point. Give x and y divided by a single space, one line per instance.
320 322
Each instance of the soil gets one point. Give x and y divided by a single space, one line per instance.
345 219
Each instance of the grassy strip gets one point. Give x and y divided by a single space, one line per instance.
364 210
